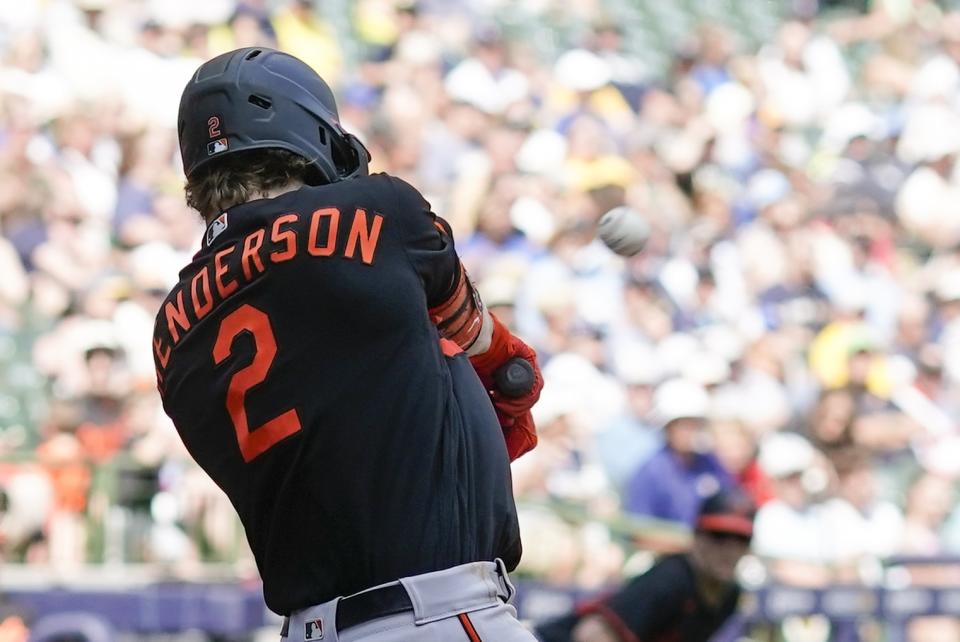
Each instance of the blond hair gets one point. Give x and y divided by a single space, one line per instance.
242 177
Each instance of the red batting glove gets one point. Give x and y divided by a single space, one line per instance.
513 412
521 435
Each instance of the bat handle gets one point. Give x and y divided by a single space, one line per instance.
514 378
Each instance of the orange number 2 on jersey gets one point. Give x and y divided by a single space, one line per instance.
247 318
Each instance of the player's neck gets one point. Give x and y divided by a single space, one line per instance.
277 191
711 589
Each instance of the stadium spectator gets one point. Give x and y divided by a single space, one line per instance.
929 501
790 530
672 484
862 527
736 449
630 440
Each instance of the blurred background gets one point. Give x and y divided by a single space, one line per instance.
795 161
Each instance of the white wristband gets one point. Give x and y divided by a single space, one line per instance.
482 344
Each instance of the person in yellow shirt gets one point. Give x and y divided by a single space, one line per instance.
844 344
302 33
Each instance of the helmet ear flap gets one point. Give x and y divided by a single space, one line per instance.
346 157
350 156
361 156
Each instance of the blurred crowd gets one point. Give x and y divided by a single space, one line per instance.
792 325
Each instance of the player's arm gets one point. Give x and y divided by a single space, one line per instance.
460 316
458 312
452 300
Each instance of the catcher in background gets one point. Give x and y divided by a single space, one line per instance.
328 363
682 598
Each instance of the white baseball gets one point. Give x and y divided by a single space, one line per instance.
623 230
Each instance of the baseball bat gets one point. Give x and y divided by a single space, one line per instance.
514 378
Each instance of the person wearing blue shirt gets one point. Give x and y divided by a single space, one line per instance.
673 483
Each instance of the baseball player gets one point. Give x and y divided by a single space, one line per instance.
682 598
328 363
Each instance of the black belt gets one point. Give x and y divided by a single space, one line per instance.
373 604
366 606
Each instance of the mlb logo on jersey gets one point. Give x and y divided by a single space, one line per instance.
217 146
313 630
216 228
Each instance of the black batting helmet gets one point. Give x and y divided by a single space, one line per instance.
258 98
727 511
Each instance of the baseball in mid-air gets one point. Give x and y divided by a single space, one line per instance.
623 230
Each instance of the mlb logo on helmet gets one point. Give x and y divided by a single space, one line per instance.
217 146
313 630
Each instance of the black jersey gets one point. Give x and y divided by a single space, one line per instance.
662 605
299 364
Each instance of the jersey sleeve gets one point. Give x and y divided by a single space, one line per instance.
428 242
